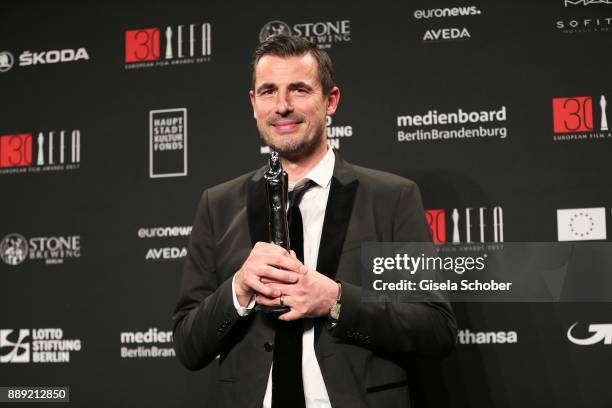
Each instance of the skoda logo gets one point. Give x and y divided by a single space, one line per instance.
274 28
13 249
6 61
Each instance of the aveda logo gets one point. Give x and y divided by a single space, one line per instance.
446 34
166 253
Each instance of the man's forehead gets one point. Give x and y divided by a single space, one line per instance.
275 69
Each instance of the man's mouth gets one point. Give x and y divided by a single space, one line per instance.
285 126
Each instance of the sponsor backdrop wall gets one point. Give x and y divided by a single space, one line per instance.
114 118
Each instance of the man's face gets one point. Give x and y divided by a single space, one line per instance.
289 105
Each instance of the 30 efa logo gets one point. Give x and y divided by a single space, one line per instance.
602 333
581 224
46 345
467 225
172 45
15 249
54 150
575 118
168 143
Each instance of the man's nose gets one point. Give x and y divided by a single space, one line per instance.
283 103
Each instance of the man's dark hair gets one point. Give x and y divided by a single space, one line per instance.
291 46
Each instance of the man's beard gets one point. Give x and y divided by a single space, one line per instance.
293 149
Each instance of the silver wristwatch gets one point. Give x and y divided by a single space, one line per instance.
334 310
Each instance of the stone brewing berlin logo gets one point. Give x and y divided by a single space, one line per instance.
13 249
168 143
274 28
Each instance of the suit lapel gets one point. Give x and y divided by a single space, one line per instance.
337 217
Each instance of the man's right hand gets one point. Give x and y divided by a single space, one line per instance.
267 262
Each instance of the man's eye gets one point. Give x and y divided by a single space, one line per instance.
266 92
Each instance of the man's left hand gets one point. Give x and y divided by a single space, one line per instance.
311 296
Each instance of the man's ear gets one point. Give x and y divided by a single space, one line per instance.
252 98
333 98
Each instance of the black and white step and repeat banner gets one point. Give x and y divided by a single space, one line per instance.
115 116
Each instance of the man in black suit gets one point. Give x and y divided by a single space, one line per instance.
331 349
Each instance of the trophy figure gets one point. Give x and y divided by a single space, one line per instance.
277 187
168 43
455 217
604 119
41 155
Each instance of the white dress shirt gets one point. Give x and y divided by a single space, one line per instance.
312 207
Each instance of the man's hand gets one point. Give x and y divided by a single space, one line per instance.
268 263
311 296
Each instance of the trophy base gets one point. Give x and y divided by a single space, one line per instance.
272 310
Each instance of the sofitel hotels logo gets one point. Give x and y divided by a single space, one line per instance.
171 45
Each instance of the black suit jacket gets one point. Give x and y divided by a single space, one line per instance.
363 358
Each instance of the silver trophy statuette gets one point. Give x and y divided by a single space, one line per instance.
277 188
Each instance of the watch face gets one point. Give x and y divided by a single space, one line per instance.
334 313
